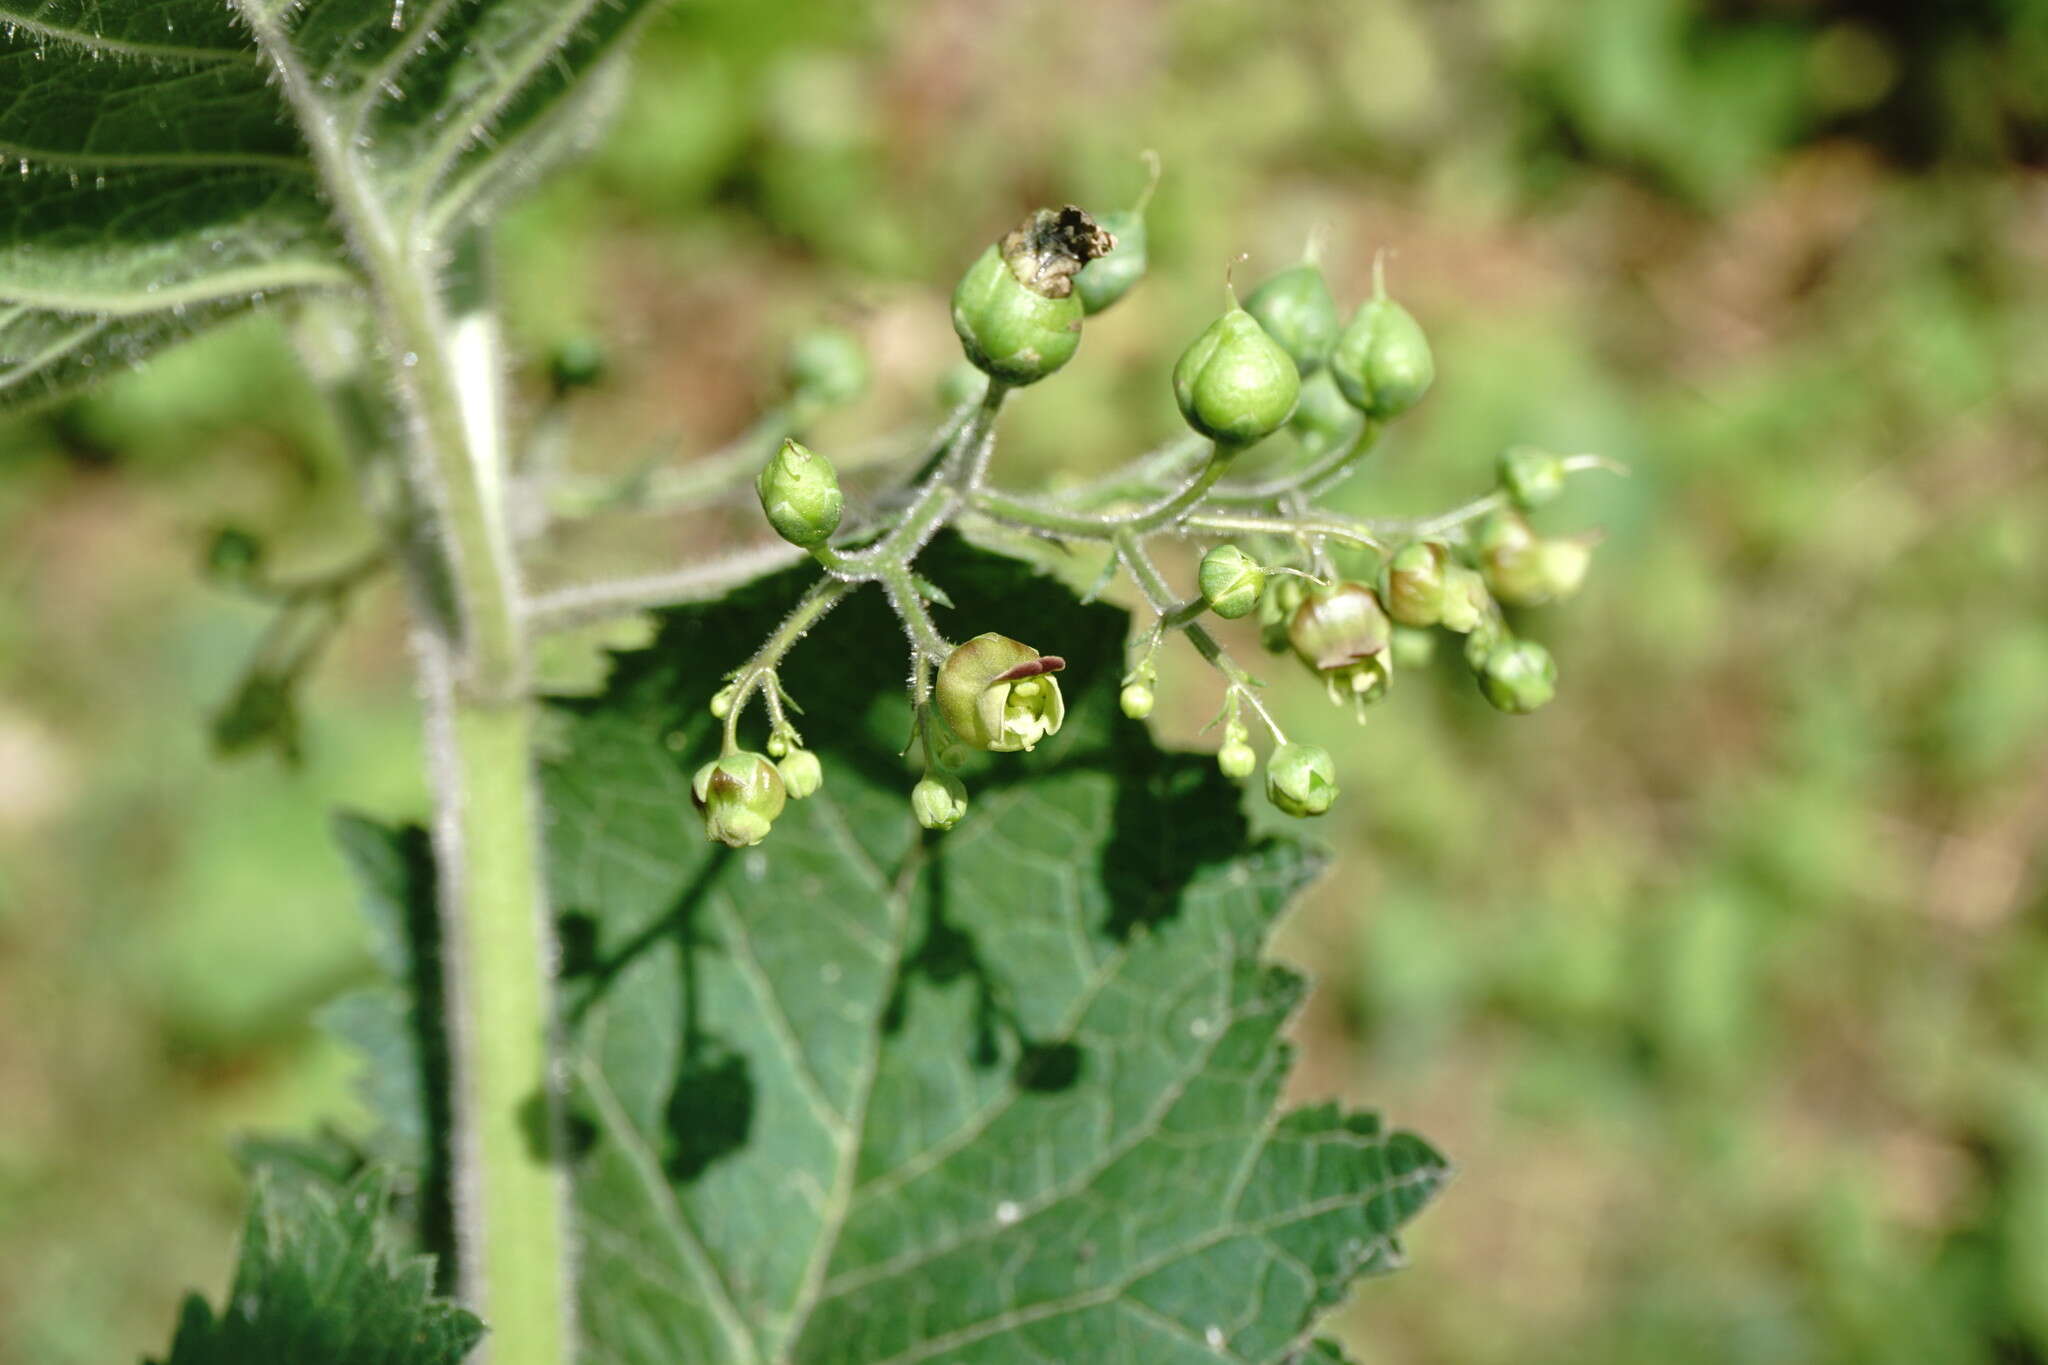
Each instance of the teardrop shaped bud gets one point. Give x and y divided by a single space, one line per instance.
1296 309
1415 583
1382 360
802 773
1114 274
1511 557
1000 695
938 800
740 794
800 495
1232 581
1340 632
1323 420
1519 676
1234 384
1015 309
1301 780
1466 601
827 365
1237 760
1529 475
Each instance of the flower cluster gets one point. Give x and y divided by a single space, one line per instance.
1352 601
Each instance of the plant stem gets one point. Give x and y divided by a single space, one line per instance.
511 1209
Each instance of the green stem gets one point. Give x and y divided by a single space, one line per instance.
1103 526
810 609
511 1207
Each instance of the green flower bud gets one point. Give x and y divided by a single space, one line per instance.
1465 599
575 363
801 772
1000 695
1563 564
1415 584
1412 648
1136 700
1015 309
1519 676
1297 311
827 364
1529 475
1323 420
740 795
800 494
1301 780
721 700
1511 557
1481 642
1283 598
1237 759
1382 360
1109 277
938 800
1233 383
1232 582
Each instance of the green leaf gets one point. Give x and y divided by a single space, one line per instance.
317 1286
169 164
865 1095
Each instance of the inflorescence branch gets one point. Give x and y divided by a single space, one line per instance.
1282 361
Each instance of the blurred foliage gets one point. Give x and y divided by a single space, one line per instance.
1724 980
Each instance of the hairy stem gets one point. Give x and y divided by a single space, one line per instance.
441 343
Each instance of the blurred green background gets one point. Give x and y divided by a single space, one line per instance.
1724 979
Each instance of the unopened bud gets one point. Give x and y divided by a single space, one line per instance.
938 800
1301 780
1232 582
1415 584
1382 359
800 495
740 794
1297 311
1135 700
1519 676
1234 384
1530 475
1237 760
802 773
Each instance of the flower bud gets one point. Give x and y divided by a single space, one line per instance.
1382 360
800 495
1276 612
740 795
1511 557
1336 629
938 800
1233 383
1301 780
721 700
827 364
1412 648
1136 700
1529 475
1297 311
1323 420
1237 760
1519 676
1232 582
1415 584
801 772
1465 599
1564 563
1109 277
1015 309
1000 695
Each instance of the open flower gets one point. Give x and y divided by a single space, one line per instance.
999 694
